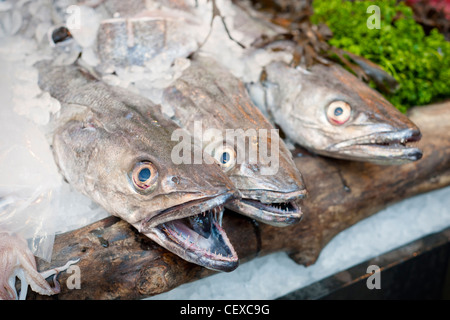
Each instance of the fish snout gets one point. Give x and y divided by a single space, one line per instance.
414 134
205 183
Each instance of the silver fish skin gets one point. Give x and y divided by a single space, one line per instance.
115 147
331 112
207 93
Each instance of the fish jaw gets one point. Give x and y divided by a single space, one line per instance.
194 232
274 208
385 148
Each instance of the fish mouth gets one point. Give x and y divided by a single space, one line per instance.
390 147
279 209
196 234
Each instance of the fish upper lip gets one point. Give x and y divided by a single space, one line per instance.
270 196
387 138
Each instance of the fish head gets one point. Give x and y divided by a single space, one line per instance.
261 167
122 159
331 112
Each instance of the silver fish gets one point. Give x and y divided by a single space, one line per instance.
115 147
331 112
208 95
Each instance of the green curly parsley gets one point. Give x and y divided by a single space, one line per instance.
419 62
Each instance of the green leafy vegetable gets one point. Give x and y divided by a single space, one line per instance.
419 62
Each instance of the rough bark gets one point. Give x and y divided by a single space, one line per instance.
119 263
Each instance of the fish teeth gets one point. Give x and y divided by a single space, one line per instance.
220 217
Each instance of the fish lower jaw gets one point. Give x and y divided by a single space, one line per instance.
279 214
199 239
387 153
389 148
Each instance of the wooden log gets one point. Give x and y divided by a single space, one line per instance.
119 263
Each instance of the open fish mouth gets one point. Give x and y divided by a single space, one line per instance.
197 235
283 210
393 147
203 234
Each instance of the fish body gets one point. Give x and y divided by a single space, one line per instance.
208 97
115 147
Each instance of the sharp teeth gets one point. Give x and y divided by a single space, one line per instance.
219 220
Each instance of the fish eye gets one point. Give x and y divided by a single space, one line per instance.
225 156
339 112
59 35
144 175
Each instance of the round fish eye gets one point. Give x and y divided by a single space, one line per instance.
225 156
144 175
338 112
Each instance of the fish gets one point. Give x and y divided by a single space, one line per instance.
114 146
208 97
329 111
